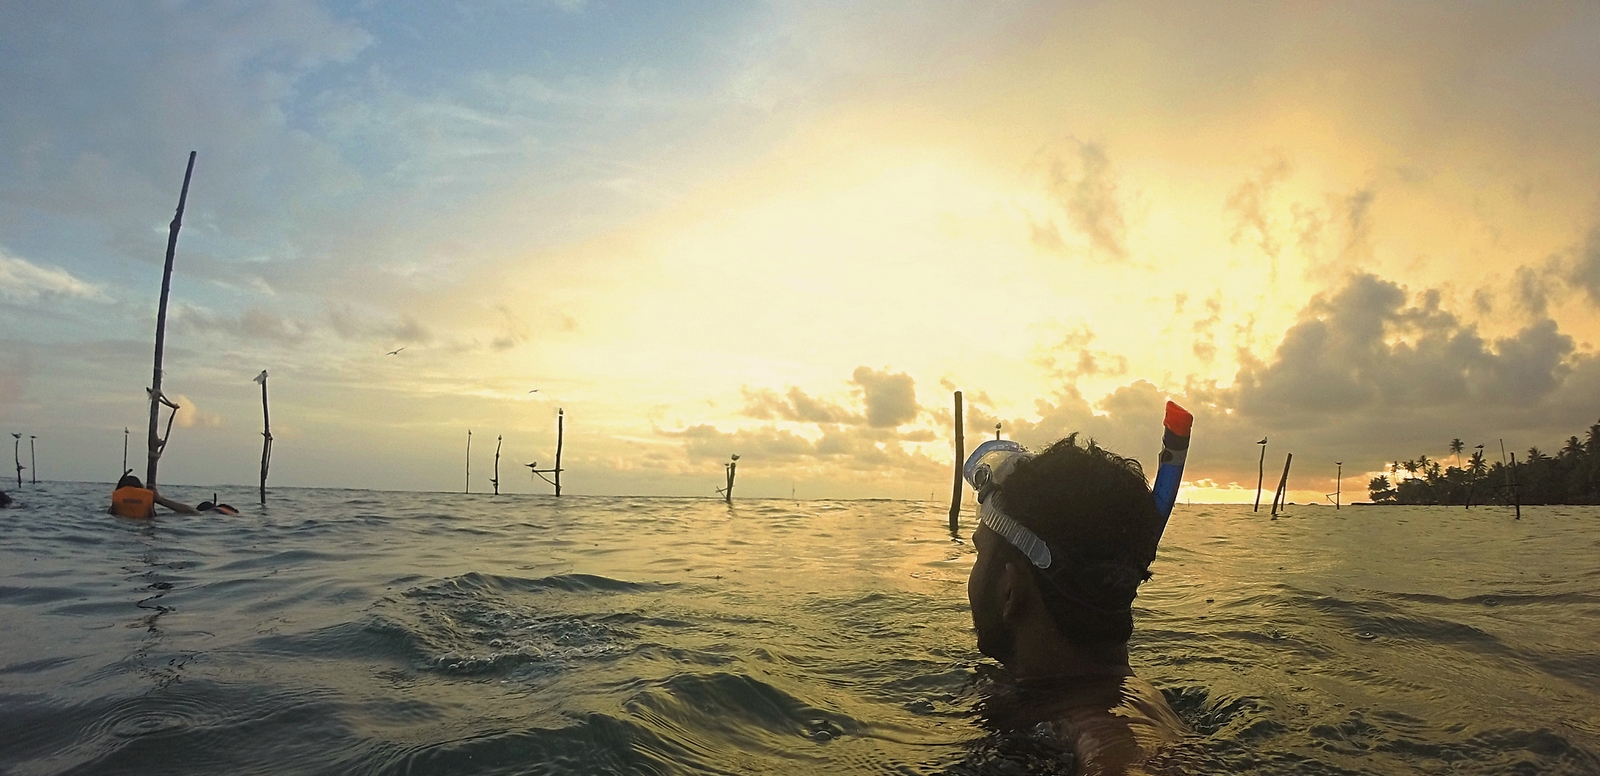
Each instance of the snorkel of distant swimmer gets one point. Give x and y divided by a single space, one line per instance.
989 465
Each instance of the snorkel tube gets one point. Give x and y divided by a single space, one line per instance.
1174 451
994 460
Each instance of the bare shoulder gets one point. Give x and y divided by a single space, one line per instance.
1117 726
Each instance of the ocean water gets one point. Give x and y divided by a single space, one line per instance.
369 632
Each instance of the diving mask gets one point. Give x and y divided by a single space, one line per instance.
986 469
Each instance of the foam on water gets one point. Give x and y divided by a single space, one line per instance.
341 631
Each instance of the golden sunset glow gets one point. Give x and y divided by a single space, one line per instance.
1071 214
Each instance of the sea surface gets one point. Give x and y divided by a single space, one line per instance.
353 632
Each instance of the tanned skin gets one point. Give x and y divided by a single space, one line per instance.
1112 720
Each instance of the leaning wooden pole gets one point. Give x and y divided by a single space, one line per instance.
1279 499
156 443
16 452
1261 475
961 458
33 461
266 436
498 440
727 493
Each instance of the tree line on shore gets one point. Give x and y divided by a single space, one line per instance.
1570 476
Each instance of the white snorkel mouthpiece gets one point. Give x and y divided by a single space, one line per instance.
986 469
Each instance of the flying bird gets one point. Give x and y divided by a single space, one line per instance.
536 390
394 352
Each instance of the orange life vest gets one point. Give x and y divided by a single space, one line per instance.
133 502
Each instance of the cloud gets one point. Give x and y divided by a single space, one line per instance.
1369 371
796 406
1071 357
191 416
1586 270
514 331
1535 287
351 324
1085 188
254 323
16 366
1205 341
1368 347
1249 205
24 281
891 398
850 453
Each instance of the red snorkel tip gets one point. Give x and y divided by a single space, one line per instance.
1178 419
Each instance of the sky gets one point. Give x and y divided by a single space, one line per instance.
790 231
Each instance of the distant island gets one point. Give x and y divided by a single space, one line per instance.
1571 476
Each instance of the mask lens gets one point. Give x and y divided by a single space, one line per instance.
991 462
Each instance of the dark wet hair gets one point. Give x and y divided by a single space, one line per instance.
129 481
204 505
1095 507
5 500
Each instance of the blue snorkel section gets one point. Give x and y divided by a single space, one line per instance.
1174 452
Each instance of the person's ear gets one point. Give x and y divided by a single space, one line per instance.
1013 592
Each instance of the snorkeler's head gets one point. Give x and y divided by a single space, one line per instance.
1096 520
129 481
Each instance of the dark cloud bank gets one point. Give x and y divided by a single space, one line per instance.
1369 373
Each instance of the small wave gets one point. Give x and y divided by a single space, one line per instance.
474 581
723 709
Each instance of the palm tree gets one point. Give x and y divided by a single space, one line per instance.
1422 463
1411 467
1456 446
1574 448
1475 464
1535 454
1394 468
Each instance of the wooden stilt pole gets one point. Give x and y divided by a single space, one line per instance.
124 452
156 442
727 493
497 441
961 459
533 468
16 452
1338 488
1278 499
1261 473
1516 495
33 461
266 436
469 460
